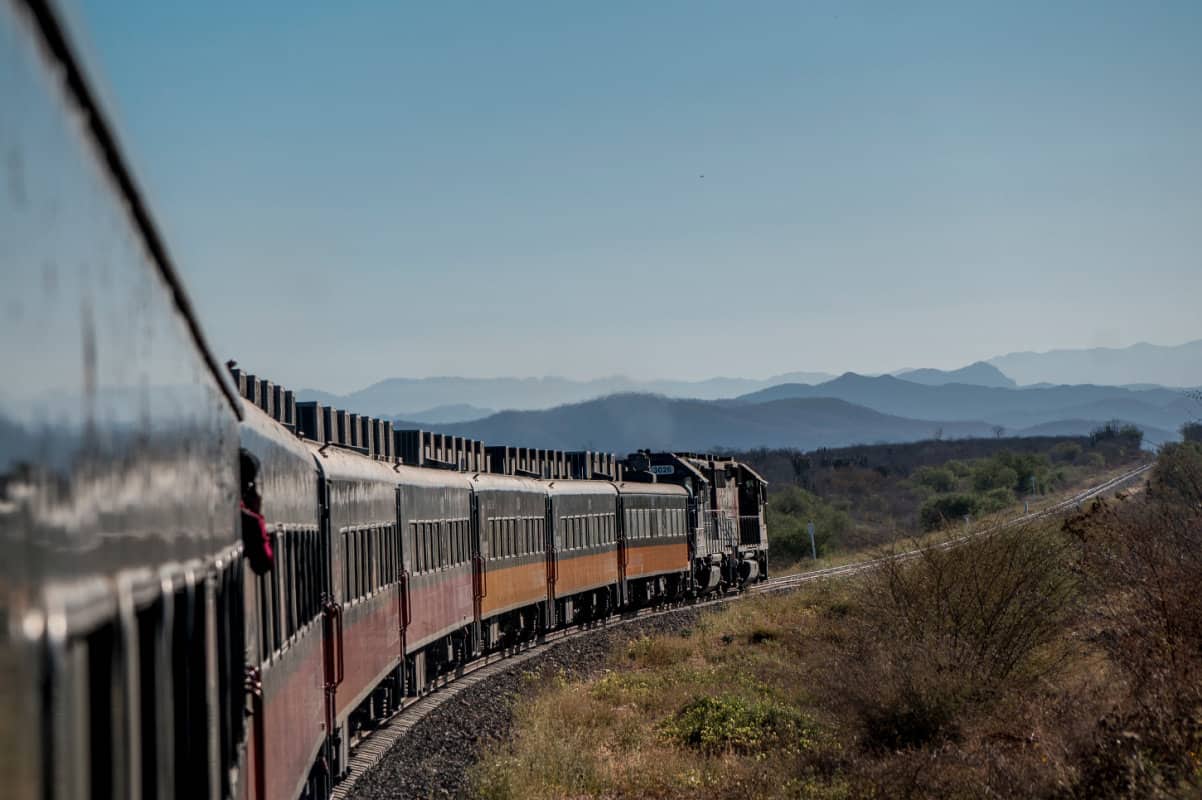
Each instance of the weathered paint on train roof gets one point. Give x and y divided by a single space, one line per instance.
488 481
633 487
407 475
256 420
342 464
568 487
752 472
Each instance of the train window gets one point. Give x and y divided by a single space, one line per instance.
349 564
419 550
444 541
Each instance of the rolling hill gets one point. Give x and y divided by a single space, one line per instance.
626 422
1015 409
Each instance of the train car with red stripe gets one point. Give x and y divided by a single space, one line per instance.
359 515
285 640
434 514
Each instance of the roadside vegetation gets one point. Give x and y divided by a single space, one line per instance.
871 496
1062 659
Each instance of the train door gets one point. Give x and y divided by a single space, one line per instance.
479 575
334 667
623 553
552 561
405 607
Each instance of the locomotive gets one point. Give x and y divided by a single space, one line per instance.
148 649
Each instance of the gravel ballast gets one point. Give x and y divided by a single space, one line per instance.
433 759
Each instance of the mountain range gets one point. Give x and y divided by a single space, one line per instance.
800 409
453 399
1175 365
453 396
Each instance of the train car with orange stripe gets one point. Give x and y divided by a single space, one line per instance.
583 563
512 585
653 548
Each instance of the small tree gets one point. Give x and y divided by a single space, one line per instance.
998 430
1191 432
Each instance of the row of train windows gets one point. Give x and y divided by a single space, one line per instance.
372 558
515 536
440 543
587 530
649 523
290 594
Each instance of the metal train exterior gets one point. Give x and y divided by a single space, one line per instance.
142 655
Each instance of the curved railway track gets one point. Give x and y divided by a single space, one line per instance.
370 748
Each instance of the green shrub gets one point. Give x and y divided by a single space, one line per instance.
1067 452
731 723
993 474
940 479
1178 471
789 511
958 468
947 508
995 500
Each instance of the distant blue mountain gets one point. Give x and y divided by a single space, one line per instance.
977 374
622 423
1174 365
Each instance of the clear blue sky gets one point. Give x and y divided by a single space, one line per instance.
364 190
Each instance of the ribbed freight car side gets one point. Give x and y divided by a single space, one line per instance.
434 510
653 534
285 637
364 619
582 516
511 553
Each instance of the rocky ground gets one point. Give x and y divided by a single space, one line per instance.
433 759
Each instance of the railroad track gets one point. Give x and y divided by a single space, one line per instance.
368 749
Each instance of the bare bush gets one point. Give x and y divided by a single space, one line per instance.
1143 561
942 635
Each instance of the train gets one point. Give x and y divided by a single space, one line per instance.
206 592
